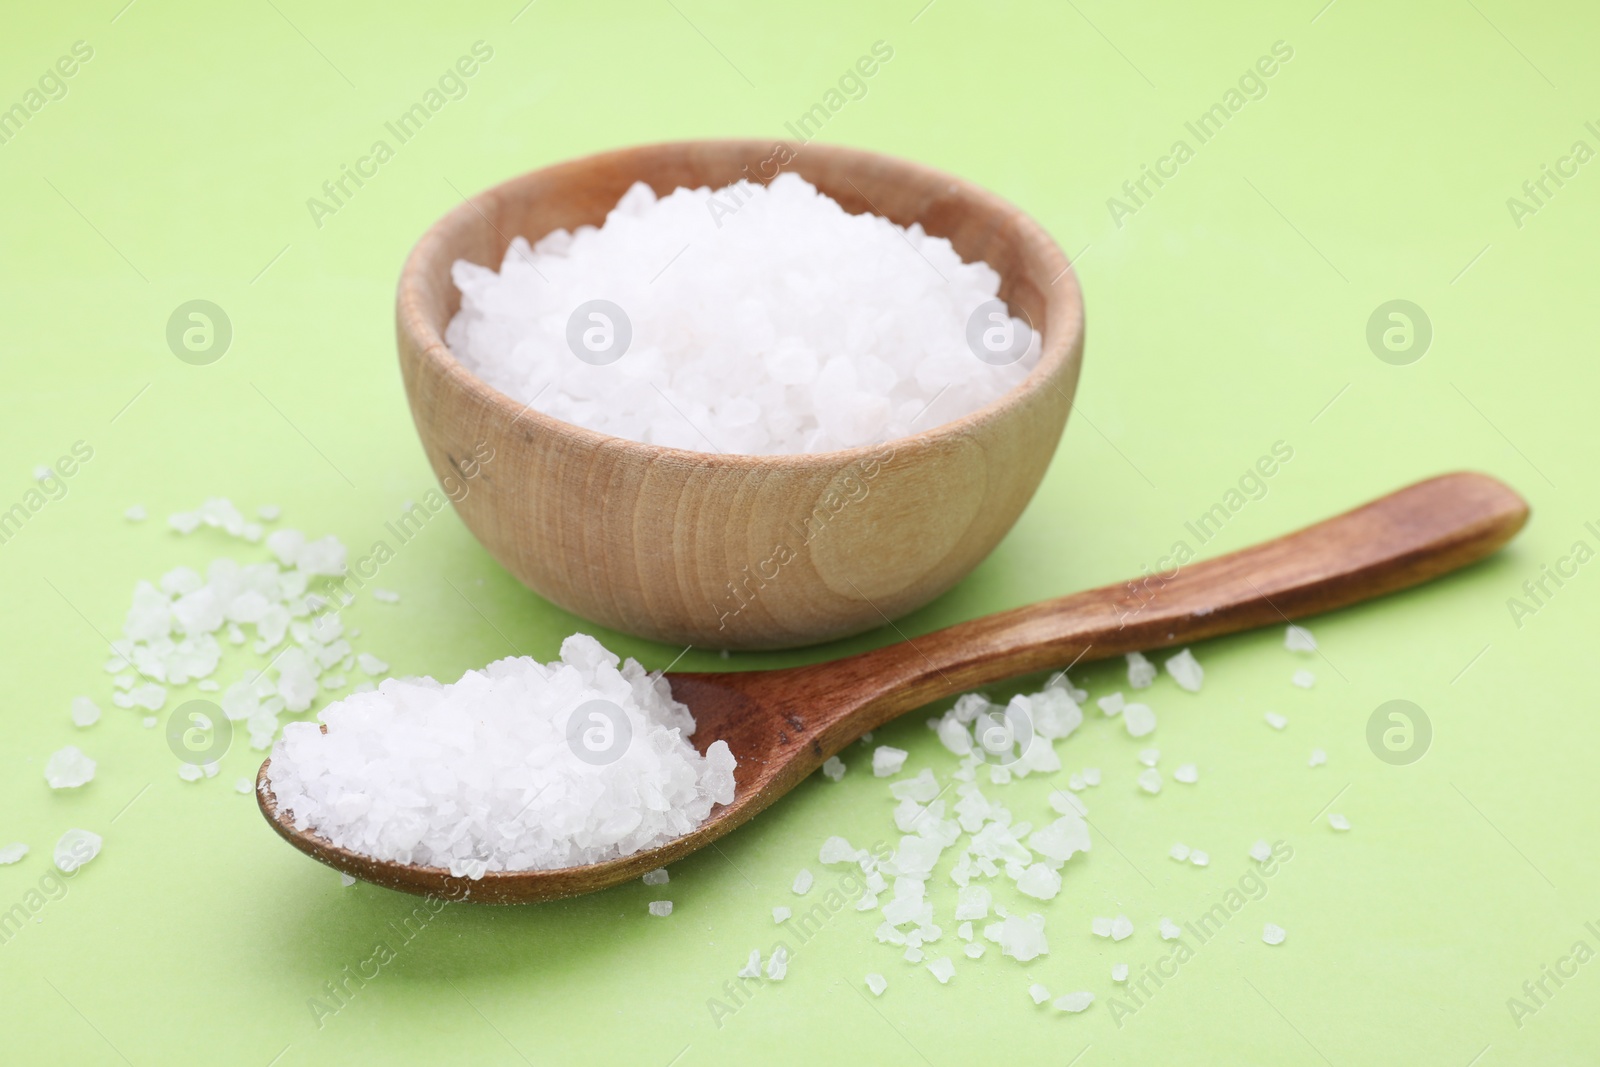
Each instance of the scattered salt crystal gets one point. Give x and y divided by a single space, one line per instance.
1187 773
1149 756
781 914
877 983
964 931
1076 783
1186 671
973 951
803 882
11 853
1073 1002
833 768
1318 758
661 908
752 967
1304 679
244 785
68 768
346 880
836 850
1121 927
1021 938
387 596
149 722
1200 858
1100 926
85 712
1113 704
1040 882
207 685
75 848
370 664
972 902
1338 822
887 760
656 877
942 969
1141 672
1039 993
1119 972
1273 934
1299 639
1276 721
1179 852
268 512
1150 781
1091 776
190 772
701 345
137 513
559 764
1140 719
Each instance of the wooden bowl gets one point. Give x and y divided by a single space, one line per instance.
732 551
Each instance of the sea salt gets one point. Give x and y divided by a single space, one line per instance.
76 848
68 768
661 908
518 766
1113 704
781 914
656 877
1276 721
1304 679
778 964
1318 758
1179 852
12 853
1149 756
85 712
942 969
1073 1002
1119 972
1338 822
1200 858
1273 934
136 513
803 882
833 768
1039 993
1121 928
888 761
692 321
1261 851
1187 773
1139 719
1186 671
1150 781
752 967
1141 672
386 596
1299 639
877 983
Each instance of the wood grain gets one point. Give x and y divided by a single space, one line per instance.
727 551
781 725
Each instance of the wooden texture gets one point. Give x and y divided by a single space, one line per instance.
727 551
782 724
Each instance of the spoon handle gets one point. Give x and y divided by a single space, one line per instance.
1400 540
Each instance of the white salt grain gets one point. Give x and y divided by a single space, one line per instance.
1039 993
244 786
75 848
1186 671
1139 719
68 768
1141 672
1200 858
1170 931
85 712
888 761
1121 928
877 983
136 513
1299 639
190 772
752 967
1150 781
1273 934
1276 721
781 914
346 880
942 969
1261 851
1179 852
1338 822
1149 756
913 954
661 908
656 877
386 596
1113 704
12 853
719 345
1304 679
1091 776
371 665
974 951
1318 758
803 882
1073 1002
1119 972
518 766
833 768
1187 773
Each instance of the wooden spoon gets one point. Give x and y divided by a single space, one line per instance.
782 724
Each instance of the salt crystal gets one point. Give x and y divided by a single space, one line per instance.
833 768
1113 704
190 772
656 877
244 786
76 848
11 853
877 983
1141 672
136 513
1338 822
1200 858
803 882
68 768
1091 776
1149 756
660 908
371 664
1187 773
1100 926
752 967
1318 758
85 712
716 343
972 902
1179 852
887 760
1186 671
1039 993
1299 639
1273 934
1139 719
1022 938
973 951
149 722
1040 882
1119 972
346 880
781 914
1150 781
1261 851
1304 679
1276 721
1121 927
1073 1002
386 596
942 969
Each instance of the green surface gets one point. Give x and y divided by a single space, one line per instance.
1227 313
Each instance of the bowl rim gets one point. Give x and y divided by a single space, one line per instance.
1060 341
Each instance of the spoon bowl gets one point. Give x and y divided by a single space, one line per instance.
782 724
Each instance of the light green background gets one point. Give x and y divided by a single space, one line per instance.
1228 313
